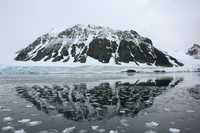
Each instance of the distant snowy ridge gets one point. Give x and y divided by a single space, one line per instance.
194 51
96 45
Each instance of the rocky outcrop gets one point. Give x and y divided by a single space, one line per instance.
105 45
194 51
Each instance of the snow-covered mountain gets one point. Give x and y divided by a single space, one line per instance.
194 51
89 43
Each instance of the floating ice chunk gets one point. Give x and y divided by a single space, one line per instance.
24 121
122 111
34 123
167 109
19 131
150 131
83 131
29 106
113 131
7 128
68 130
94 127
152 124
124 122
174 130
148 101
190 111
7 119
59 115
6 110
102 130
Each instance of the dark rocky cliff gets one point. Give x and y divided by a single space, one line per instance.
79 43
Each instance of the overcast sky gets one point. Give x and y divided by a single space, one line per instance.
171 24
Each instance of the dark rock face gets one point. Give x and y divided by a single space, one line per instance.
194 51
81 102
78 43
102 49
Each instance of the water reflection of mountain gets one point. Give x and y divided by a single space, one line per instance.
81 102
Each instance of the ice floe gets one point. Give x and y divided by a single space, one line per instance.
8 119
94 127
190 111
34 123
7 128
29 106
83 131
167 109
122 111
68 130
24 121
20 131
174 130
151 124
101 130
150 131
113 131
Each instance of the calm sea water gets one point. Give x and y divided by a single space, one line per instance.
98 103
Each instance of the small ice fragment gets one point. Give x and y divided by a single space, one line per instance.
6 110
24 121
122 111
7 128
190 111
113 131
29 106
83 131
19 131
174 130
101 130
167 109
59 115
124 122
150 131
68 130
7 119
152 124
34 123
51 107
94 127
148 101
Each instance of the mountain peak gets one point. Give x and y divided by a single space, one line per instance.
194 51
82 43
